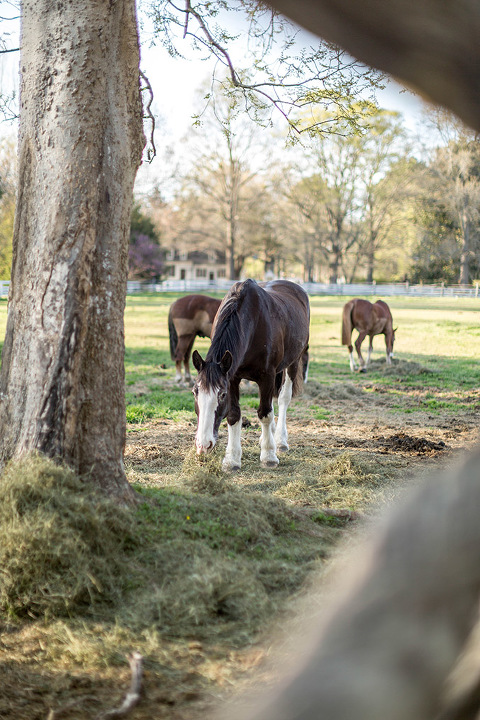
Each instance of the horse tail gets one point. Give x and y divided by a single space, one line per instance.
347 325
299 379
279 380
301 376
305 365
173 335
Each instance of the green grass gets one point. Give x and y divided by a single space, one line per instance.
206 557
436 336
440 335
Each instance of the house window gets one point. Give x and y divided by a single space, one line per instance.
221 273
170 270
201 273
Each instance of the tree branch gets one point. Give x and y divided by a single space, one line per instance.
152 151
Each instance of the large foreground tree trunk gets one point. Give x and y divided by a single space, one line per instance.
80 144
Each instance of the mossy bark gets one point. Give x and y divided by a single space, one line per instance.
80 145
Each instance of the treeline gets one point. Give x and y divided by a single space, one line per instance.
353 206
349 205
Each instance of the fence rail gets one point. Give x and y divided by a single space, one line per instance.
383 289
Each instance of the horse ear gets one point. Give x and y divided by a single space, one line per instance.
226 362
198 362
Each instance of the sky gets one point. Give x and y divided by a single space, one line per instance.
175 85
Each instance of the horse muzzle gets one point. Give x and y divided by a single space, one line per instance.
204 448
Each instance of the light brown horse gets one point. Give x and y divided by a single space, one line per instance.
369 319
188 317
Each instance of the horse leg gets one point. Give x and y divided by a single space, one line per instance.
389 356
233 453
186 359
284 397
268 455
183 343
389 346
370 350
358 343
353 364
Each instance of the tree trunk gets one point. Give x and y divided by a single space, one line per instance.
370 258
80 144
334 265
231 253
464 278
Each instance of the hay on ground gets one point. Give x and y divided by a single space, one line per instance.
62 547
347 481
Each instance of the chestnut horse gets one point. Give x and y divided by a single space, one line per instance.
369 319
188 317
259 334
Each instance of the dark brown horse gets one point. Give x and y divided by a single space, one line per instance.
188 317
369 319
259 334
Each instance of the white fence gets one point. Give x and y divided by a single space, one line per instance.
383 289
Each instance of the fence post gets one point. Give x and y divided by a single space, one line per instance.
476 289
443 288
374 285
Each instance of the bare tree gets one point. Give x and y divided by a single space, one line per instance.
455 166
223 186
387 181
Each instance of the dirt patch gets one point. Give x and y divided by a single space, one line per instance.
314 390
408 443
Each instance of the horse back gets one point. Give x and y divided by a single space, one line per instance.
288 314
194 314
383 310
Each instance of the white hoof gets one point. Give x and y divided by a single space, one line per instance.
230 465
269 460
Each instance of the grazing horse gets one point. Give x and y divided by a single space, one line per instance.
259 334
188 317
369 319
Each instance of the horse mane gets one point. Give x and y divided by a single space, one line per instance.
228 333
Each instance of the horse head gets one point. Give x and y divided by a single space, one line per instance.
390 339
211 391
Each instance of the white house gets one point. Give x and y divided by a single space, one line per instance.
209 265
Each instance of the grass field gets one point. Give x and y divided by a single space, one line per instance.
214 562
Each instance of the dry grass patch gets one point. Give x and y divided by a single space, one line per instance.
203 560
62 547
347 480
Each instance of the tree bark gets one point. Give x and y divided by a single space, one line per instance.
80 145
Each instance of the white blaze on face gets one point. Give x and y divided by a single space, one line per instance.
207 401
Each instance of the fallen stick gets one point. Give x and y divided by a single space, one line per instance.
133 695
